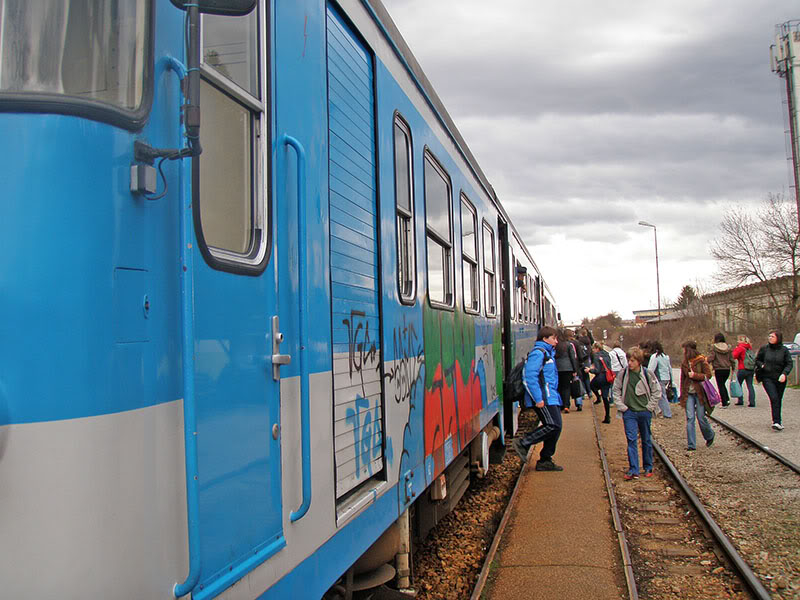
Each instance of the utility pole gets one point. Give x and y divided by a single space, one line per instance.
783 57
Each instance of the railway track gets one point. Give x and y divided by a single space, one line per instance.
673 551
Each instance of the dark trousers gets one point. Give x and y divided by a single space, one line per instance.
548 431
746 375
564 382
722 377
774 391
601 388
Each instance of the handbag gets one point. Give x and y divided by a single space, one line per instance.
609 373
736 389
712 395
576 389
672 393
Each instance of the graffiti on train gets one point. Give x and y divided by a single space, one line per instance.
366 432
406 371
456 386
362 350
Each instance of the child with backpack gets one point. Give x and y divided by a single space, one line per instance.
746 363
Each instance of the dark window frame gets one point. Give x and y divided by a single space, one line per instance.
473 261
94 110
261 183
430 158
493 272
408 298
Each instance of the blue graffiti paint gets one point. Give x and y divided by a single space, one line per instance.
480 370
366 437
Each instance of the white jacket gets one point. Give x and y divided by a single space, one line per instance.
618 360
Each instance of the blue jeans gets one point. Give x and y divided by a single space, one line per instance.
637 424
664 403
695 408
747 375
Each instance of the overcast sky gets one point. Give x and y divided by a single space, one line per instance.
589 116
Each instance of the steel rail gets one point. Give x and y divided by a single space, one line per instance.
630 577
487 563
744 570
766 449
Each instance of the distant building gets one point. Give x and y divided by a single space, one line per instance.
753 305
640 317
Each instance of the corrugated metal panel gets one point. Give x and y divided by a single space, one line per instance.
357 390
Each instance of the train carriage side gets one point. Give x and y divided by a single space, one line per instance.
252 376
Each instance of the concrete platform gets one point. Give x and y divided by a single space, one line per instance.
560 543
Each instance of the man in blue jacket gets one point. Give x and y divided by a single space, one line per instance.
540 378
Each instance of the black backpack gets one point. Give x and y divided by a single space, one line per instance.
513 387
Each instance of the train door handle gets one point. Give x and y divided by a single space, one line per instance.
305 419
278 359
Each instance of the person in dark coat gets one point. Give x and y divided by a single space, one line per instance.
773 365
720 360
600 384
567 366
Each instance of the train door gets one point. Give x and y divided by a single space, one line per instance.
358 411
507 287
238 410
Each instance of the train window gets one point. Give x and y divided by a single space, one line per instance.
439 228
514 289
92 50
404 199
469 252
520 298
232 168
230 48
489 270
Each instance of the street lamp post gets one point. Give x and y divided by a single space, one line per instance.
658 285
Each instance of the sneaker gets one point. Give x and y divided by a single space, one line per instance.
548 465
629 476
607 420
740 404
691 449
648 473
565 409
522 451
777 427
597 401
580 408
711 441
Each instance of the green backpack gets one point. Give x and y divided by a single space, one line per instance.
749 360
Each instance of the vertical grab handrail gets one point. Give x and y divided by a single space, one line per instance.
305 424
187 360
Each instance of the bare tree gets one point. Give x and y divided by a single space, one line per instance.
762 246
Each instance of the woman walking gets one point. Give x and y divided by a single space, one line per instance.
636 393
694 370
661 367
600 385
773 365
720 360
745 357
567 366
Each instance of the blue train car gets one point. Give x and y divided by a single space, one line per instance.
259 300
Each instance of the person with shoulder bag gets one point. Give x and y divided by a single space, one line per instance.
720 360
600 383
745 363
618 363
567 367
694 371
662 368
773 365
636 393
